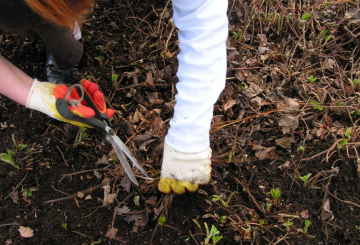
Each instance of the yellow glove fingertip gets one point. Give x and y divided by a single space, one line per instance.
164 186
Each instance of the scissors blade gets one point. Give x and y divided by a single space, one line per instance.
124 162
128 153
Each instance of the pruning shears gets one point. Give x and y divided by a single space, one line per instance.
100 122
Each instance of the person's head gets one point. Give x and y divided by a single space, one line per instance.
62 12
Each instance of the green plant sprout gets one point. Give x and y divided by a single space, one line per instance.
324 33
21 147
161 220
306 226
347 134
305 178
155 45
312 79
302 148
81 137
224 203
88 77
214 234
236 36
356 82
306 16
288 225
276 193
64 226
99 58
229 157
268 207
27 192
29 152
223 219
261 222
114 78
316 106
9 158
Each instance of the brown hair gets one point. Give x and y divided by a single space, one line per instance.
62 12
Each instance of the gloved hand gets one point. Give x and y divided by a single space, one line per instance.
184 171
43 95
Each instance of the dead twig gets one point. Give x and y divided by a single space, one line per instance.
344 201
76 194
17 185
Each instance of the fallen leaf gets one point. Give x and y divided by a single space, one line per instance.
88 197
80 194
253 90
14 195
326 213
152 200
111 233
288 123
304 214
108 198
126 183
102 160
229 104
26 232
284 142
120 211
137 200
263 152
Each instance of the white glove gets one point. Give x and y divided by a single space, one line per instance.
184 171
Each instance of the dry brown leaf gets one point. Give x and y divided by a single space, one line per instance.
108 198
26 232
326 213
304 214
14 195
263 152
229 104
288 123
126 183
80 194
111 233
120 211
284 142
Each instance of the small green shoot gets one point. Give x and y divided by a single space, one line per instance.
9 158
275 194
306 226
312 79
155 45
21 147
356 82
64 225
288 225
114 160
161 220
302 148
224 203
114 78
324 33
316 106
29 152
236 36
99 58
27 192
348 132
81 137
223 219
88 77
214 234
306 16
305 178
268 207
342 144
229 157
261 222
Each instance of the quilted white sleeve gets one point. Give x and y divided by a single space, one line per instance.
203 30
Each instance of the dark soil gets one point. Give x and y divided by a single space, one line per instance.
132 42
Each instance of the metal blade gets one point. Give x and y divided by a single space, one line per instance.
126 150
124 162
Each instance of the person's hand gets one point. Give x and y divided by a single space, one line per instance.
43 95
184 171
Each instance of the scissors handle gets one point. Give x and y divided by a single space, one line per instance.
62 105
99 114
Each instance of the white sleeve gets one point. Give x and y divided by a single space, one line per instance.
203 30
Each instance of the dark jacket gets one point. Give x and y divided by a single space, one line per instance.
17 17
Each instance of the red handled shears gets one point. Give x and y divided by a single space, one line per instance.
101 122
